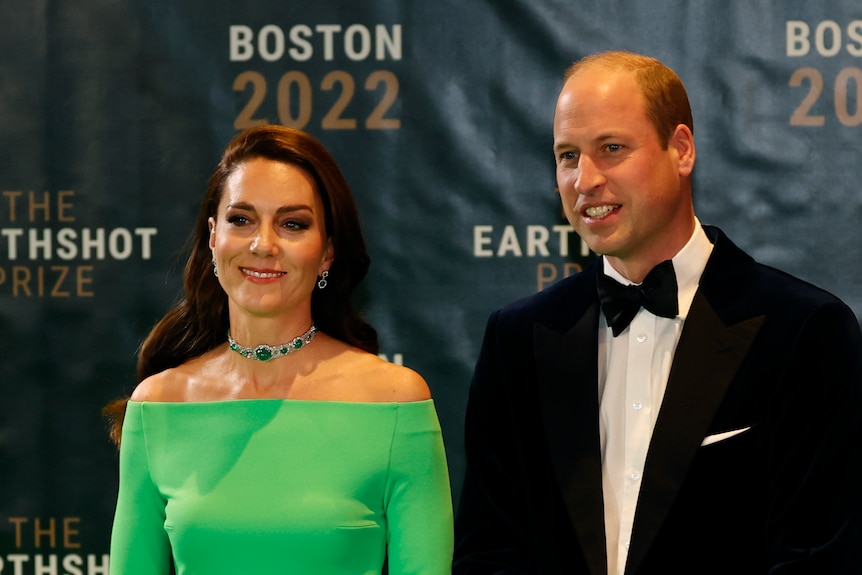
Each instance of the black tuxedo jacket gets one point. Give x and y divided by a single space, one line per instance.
760 351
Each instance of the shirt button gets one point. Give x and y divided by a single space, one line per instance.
641 338
628 544
637 405
635 476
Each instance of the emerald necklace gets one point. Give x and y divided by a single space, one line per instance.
265 352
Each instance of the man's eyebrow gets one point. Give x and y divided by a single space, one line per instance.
601 138
563 145
604 137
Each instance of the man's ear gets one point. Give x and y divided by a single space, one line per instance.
682 141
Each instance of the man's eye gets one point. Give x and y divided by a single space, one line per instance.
569 156
614 147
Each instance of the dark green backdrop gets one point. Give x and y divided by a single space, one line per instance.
113 113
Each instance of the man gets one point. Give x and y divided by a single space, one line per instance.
717 432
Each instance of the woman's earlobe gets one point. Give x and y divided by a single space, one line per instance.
212 223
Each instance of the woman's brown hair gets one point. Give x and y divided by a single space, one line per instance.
199 321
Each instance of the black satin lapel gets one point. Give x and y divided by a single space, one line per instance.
706 361
568 390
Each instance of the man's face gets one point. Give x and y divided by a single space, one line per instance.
621 189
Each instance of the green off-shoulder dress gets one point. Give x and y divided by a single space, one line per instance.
282 487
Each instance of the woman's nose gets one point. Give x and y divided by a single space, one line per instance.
264 243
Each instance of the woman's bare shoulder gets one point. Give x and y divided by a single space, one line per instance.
198 379
385 381
168 385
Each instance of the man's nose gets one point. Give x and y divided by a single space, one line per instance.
590 176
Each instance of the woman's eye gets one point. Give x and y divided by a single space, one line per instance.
237 220
295 225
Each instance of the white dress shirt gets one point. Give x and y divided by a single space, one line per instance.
633 372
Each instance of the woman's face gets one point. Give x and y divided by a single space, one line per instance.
269 240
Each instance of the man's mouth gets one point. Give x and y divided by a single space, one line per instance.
599 212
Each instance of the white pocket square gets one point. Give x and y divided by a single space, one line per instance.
722 436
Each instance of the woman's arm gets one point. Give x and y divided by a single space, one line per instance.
139 544
418 498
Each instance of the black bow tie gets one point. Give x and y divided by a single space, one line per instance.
657 294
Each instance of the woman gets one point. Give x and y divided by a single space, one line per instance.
265 435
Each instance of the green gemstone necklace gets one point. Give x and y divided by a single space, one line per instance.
265 352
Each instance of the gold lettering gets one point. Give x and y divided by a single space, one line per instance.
82 279
51 532
12 195
21 279
63 271
68 532
63 205
44 206
18 522
63 281
547 273
47 532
